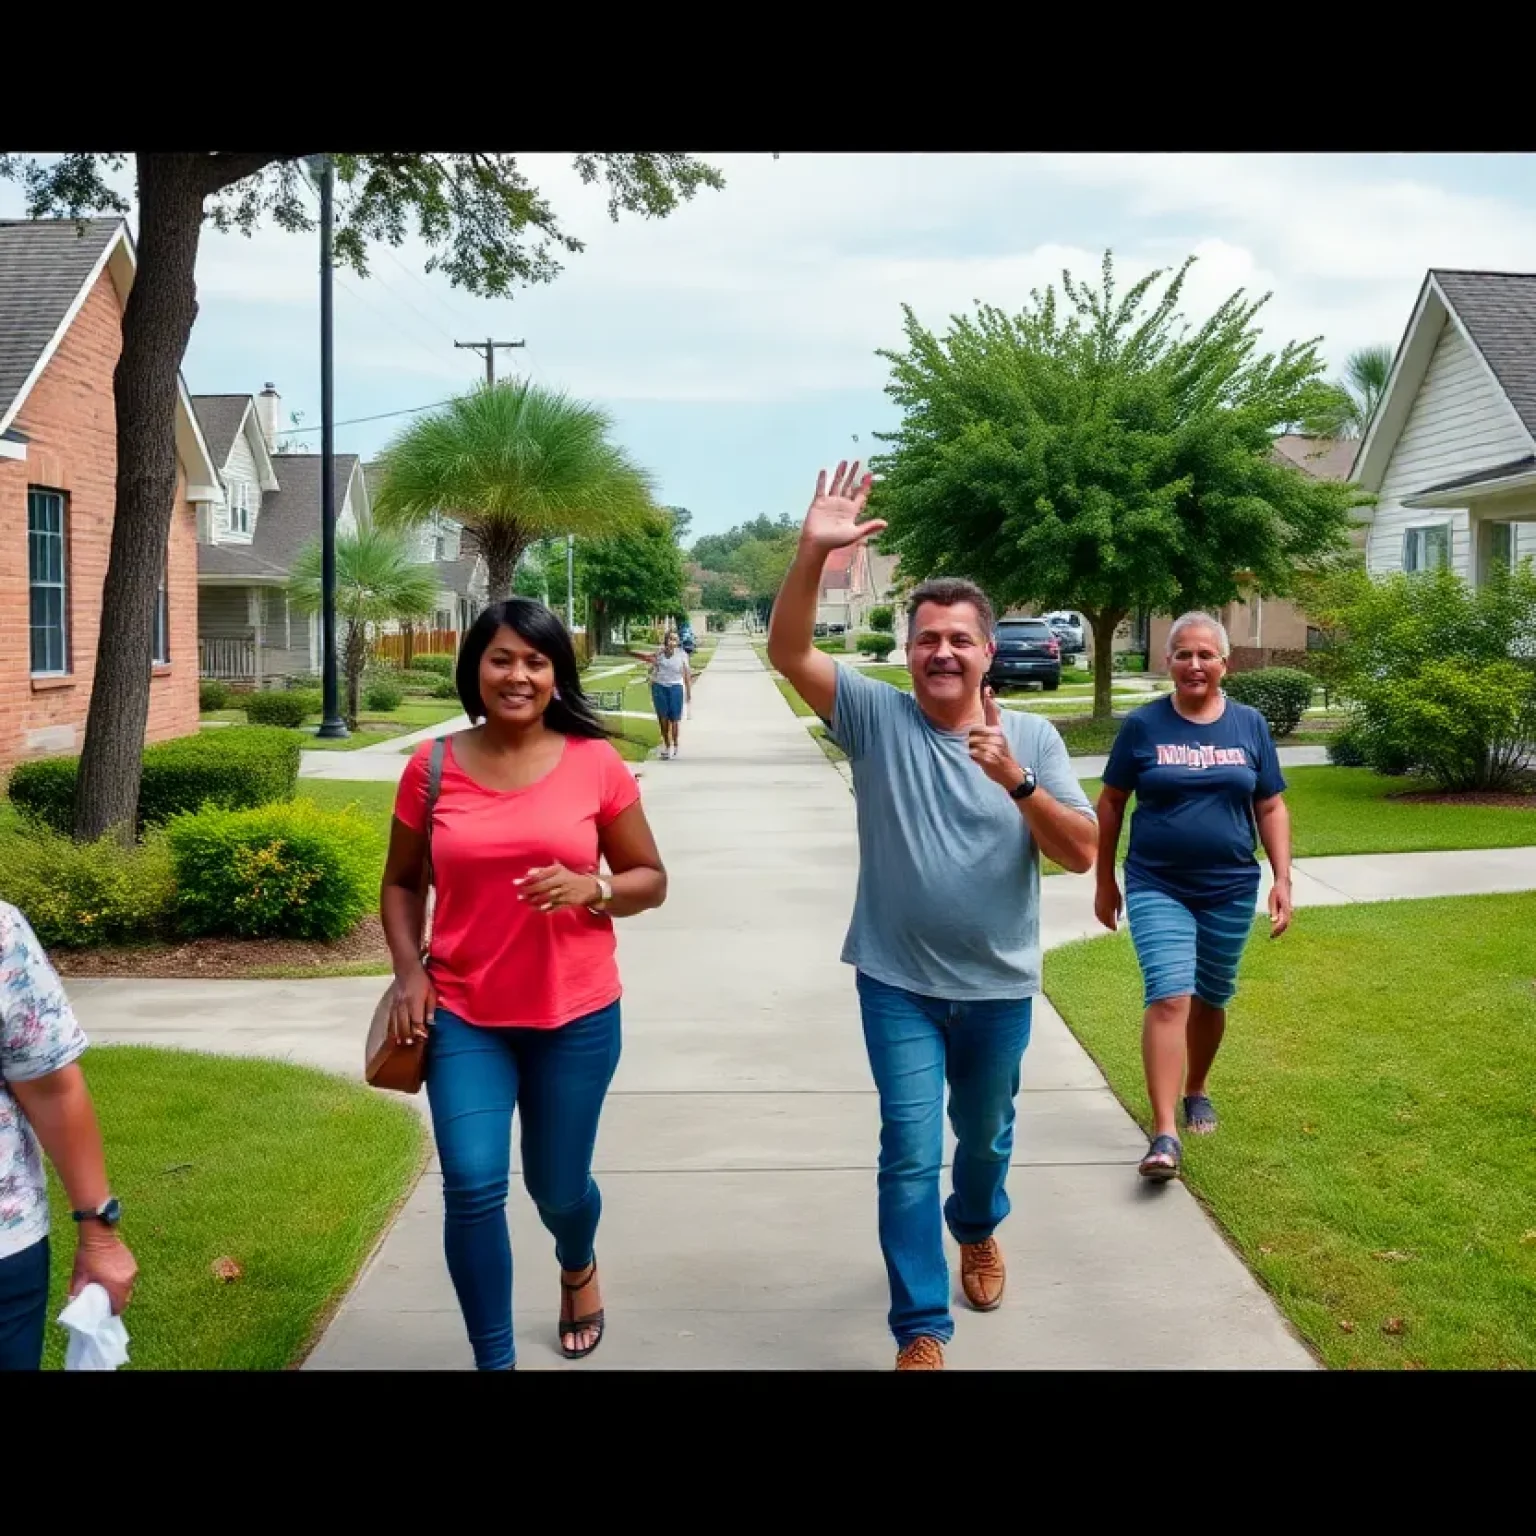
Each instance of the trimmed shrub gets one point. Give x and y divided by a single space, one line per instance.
236 765
79 894
1280 694
1347 749
1468 726
1130 661
307 682
882 619
287 707
833 645
445 689
439 662
383 695
878 646
290 871
212 695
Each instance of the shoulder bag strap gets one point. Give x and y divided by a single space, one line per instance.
434 783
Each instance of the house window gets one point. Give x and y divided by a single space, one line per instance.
1427 549
239 496
47 564
1501 545
163 623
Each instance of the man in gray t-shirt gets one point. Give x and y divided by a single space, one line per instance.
957 800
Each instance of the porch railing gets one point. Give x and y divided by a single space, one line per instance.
228 660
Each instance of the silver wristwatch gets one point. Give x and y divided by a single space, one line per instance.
600 906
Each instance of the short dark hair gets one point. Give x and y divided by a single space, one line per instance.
946 591
570 712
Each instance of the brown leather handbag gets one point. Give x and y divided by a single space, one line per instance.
387 1063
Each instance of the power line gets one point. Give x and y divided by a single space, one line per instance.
410 410
489 348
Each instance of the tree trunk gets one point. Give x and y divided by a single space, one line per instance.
157 324
1104 624
356 659
407 645
502 545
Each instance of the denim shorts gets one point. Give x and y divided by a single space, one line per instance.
1184 951
668 699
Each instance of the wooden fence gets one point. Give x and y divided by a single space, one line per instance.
402 647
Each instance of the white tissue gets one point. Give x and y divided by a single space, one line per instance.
98 1341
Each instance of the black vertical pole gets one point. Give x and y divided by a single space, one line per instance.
332 726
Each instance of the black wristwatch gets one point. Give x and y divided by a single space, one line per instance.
1026 786
109 1213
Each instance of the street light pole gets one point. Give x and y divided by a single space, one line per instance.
570 582
332 726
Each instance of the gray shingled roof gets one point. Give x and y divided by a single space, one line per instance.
1499 312
1523 466
235 560
290 516
455 575
43 265
220 417
1323 458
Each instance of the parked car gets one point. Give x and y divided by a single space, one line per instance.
1069 629
1027 652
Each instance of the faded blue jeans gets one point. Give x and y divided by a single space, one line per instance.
557 1079
915 1043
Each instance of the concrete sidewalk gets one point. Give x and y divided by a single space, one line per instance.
737 1153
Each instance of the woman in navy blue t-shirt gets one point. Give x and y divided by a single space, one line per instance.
1207 782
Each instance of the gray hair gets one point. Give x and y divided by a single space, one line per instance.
1199 621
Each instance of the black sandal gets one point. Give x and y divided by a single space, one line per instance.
1162 1146
569 1330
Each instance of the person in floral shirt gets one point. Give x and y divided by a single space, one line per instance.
45 1107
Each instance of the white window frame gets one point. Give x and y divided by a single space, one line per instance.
37 496
1418 531
238 495
162 653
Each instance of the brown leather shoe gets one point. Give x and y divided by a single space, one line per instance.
920 1354
982 1274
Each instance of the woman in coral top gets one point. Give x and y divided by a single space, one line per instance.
519 998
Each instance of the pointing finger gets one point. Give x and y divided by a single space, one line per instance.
989 708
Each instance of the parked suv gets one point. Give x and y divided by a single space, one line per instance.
1027 652
1068 629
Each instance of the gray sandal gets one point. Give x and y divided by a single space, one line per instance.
1162 1147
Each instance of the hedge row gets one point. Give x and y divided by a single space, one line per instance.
235 766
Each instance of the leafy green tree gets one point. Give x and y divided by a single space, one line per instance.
682 521
1351 402
636 574
514 463
761 566
1100 454
487 228
377 580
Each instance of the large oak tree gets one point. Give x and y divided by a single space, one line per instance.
1098 453
488 229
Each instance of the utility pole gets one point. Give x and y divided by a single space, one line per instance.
570 582
489 347
332 726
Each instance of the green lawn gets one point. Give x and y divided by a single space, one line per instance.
1376 1164
292 1174
1350 810
374 726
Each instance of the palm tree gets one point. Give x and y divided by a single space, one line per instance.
514 463
1353 399
377 579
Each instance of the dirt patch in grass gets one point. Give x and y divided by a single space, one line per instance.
230 959
1509 800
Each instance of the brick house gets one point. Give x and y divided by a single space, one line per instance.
63 286
1270 631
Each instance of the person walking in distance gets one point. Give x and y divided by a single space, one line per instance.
1208 785
671 677
957 801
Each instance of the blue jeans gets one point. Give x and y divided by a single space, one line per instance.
23 1307
557 1079
914 1044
